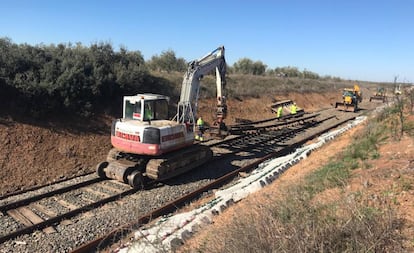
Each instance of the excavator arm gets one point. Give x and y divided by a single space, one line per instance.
187 106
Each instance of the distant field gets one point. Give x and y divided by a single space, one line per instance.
257 86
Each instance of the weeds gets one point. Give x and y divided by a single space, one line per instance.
297 224
395 118
365 145
405 184
334 174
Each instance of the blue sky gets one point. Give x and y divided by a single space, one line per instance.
352 39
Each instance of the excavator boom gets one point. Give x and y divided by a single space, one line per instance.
187 106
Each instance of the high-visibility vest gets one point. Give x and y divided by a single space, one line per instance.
279 111
148 114
293 109
200 122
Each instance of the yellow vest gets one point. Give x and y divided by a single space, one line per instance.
293 109
279 111
200 122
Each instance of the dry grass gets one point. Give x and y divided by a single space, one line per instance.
295 224
319 213
257 86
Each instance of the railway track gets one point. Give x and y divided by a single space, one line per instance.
21 192
114 235
30 214
42 211
51 210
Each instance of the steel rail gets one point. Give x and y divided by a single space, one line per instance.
28 200
270 119
51 221
257 127
252 129
11 194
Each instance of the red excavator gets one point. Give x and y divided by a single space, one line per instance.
147 146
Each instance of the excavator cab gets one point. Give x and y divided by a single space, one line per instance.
348 96
146 107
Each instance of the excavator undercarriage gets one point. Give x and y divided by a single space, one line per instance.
138 170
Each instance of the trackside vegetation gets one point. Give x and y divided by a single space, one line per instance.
301 219
73 79
68 79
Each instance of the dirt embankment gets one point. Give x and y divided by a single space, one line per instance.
33 155
37 153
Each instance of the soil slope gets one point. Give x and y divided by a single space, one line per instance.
36 153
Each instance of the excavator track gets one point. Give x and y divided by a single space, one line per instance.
123 167
178 162
138 170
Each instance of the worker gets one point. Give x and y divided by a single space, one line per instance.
148 113
279 112
293 108
200 129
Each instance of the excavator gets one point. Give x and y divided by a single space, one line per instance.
350 99
147 145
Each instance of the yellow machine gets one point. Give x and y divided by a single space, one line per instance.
379 95
350 99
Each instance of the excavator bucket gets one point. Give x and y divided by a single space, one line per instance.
345 107
218 130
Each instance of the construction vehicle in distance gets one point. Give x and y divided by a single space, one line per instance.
397 90
350 99
147 145
379 95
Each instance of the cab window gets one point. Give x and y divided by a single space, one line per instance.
156 110
132 111
129 109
